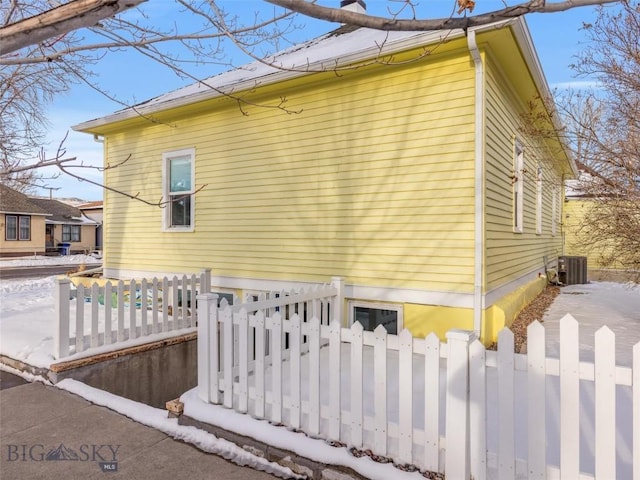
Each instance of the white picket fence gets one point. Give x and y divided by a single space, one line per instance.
124 311
406 399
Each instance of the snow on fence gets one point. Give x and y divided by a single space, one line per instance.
404 399
124 311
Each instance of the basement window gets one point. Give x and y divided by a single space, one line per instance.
370 315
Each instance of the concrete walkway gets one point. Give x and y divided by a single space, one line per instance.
48 433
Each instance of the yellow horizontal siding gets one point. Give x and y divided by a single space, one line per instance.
372 180
510 255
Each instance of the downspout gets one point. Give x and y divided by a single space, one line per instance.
478 302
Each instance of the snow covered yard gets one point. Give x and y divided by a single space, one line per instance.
43 260
27 314
616 305
26 334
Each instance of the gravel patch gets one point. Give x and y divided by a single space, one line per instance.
532 312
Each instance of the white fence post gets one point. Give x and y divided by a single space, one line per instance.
295 395
206 310
478 410
133 330
205 280
259 388
380 389
405 397
95 333
61 332
605 386
457 459
242 319
506 407
120 307
432 404
314 375
569 398
355 380
108 301
337 306
335 392
537 394
79 318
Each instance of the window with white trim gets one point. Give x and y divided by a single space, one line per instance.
518 188
370 315
17 227
539 200
178 189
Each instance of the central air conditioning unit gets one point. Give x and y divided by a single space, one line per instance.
572 270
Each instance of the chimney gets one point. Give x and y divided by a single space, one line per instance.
357 6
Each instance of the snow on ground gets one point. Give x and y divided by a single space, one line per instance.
157 418
26 334
41 260
27 320
27 315
27 309
616 305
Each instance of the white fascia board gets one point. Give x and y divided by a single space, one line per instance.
272 76
523 37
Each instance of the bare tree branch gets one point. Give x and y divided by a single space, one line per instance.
311 9
604 130
44 50
58 21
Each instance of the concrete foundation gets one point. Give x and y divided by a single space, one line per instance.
152 374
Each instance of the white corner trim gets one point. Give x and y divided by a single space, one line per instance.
478 276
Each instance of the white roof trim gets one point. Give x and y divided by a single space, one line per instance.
308 57
528 49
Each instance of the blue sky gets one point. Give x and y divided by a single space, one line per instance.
557 38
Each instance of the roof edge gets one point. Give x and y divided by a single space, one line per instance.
523 37
425 38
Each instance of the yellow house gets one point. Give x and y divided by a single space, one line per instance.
581 210
396 160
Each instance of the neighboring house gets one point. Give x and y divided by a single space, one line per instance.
94 211
66 224
22 223
579 239
393 159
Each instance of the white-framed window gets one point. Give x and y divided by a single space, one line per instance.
71 233
371 314
518 187
17 227
539 200
178 174
554 210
